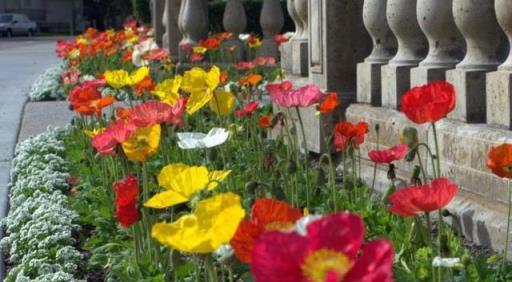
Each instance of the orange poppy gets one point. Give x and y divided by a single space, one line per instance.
210 43
500 160
265 121
346 133
87 100
145 85
329 104
267 215
251 79
224 75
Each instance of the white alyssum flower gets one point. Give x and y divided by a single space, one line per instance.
198 140
48 86
446 262
40 225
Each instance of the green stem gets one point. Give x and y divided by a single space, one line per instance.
306 152
438 155
423 173
431 244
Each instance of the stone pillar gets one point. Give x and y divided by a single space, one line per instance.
272 21
477 22
286 48
396 75
235 22
445 43
384 48
499 83
337 42
193 22
157 15
172 35
294 53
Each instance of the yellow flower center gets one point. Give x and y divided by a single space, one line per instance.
141 142
320 263
279 226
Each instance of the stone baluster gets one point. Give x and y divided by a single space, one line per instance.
476 20
287 47
272 21
384 48
157 15
193 22
235 22
396 75
292 11
499 83
444 40
172 35
301 42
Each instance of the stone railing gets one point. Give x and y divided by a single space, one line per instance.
370 52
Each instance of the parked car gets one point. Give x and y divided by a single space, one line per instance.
16 24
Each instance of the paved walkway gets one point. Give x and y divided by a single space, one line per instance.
21 61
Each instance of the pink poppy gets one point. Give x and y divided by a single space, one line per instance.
264 61
395 153
283 95
156 55
177 112
116 133
70 77
333 250
150 113
244 66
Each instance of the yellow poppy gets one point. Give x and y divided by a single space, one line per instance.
199 50
212 224
200 84
222 102
197 100
121 78
94 132
168 90
143 144
182 182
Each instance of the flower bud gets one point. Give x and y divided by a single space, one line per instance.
409 137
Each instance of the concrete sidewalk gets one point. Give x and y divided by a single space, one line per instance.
19 67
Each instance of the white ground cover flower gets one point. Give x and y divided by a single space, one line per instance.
198 140
48 86
40 224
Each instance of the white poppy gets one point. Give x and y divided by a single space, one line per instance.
140 50
197 140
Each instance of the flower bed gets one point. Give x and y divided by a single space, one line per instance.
41 225
184 185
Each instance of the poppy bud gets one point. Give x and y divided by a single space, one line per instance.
446 213
415 178
409 137
251 187
391 172
411 155
292 167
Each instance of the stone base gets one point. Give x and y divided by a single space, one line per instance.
499 99
369 83
470 87
38 116
396 80
480 207
424 75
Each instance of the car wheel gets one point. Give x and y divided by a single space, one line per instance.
30 33
9 33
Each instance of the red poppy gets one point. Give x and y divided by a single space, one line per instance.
500 160
150 113
146 85
177 112
210 43
329 104
64 48
248 110
265 121
116 133
429 103
412 200
244 66
390 155
157 55
332 250
87 100
127 56
264 61
267 215
196 57
346 133
127 191
280 39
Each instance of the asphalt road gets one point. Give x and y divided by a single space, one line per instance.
22 59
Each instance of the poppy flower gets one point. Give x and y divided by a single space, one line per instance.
178 111
211 225
244 66
500 160
266 215
199 140
210 43
429 103
156 55
201 85
121 78
87 100
224 75
265 121
248 110
329 104
181 182
390 155
251 79
333 249
254 41
70 77
280 39
283 95
222 102
115 133
127 191
150 113
143 143
413 200
168 91
346 133
264 61
146 85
